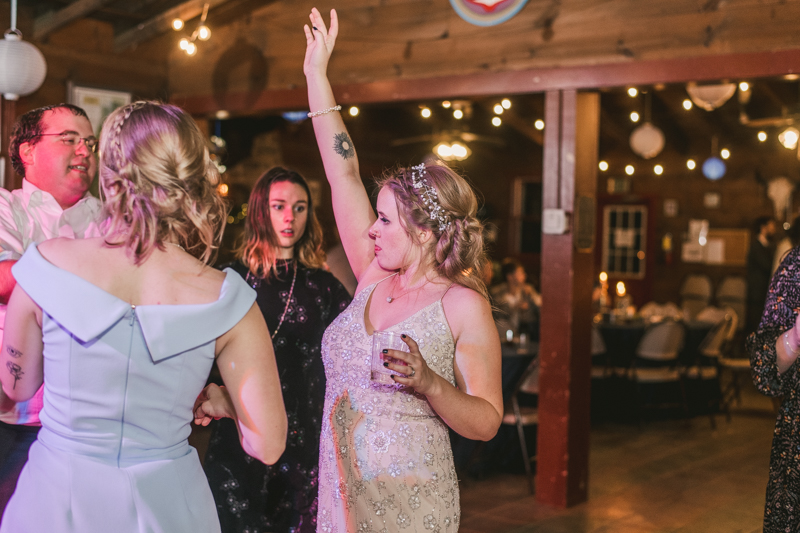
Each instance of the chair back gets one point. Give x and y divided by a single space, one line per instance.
732 292
713 343
529 381
695 294
662 341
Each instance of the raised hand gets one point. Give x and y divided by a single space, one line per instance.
319 42
415 372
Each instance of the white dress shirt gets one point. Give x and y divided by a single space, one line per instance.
30 215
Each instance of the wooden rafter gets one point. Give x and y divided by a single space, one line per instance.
163 22
53 20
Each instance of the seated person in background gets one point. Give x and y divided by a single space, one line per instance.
517 301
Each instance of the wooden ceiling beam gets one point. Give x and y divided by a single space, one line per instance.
162 23
53 20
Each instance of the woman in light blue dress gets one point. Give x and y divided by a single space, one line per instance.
123 331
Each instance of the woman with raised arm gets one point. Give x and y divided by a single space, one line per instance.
282 260
123 330
385 457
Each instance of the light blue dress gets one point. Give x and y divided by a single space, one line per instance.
120 384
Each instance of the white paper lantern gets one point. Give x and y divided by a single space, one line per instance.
22 66
647 141
710 97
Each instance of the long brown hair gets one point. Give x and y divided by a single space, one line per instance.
258 252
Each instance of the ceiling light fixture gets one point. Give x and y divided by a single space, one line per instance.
202 32
710 97
452 152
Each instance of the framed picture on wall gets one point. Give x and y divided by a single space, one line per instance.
98 103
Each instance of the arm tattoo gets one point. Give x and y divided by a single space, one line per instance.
13 352
16 371
343 146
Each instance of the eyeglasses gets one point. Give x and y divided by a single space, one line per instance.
73 139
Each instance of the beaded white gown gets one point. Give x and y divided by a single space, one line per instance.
385 458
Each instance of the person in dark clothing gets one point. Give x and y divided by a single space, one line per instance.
759 270
282 260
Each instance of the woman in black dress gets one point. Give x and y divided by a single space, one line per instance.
282 260
774 349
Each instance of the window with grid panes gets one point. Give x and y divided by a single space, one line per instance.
624 240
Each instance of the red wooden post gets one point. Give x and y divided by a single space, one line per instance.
7 119
569 181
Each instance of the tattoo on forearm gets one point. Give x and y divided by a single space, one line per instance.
16 371
13 352
343 146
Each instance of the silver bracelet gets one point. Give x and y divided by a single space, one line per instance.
312 114
792 351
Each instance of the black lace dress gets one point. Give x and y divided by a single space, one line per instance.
782 510
250 496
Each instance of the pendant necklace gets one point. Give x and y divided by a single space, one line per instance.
392 297
288 301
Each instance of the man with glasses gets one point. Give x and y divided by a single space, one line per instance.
53 148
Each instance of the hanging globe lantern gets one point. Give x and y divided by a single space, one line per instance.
22 66
713 168
647 141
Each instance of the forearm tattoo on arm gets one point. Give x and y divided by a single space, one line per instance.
343 146
16 371
13 352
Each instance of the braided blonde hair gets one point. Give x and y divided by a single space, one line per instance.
158 182
457 248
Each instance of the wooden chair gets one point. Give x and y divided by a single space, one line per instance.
521 416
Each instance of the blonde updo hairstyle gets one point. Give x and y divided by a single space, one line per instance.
457 250
158 182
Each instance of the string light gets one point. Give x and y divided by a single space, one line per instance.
603 165
498 109
425 112
354 111
632 92
634 117
687 104
629 170
744 86
496 121
690 164
658 169
539 124
762 136
725 153
458 114
177 24
506 103
446 104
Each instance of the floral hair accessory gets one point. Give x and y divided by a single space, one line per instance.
429 197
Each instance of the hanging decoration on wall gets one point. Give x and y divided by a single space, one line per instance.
647 140
779 190
487 12
714 167
22 66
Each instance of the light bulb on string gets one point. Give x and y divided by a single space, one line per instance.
203 33
177 24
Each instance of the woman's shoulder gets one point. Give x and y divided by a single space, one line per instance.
463 299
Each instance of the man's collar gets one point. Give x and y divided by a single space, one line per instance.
29 188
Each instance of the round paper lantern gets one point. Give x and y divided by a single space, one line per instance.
22 66
647 141
713 168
